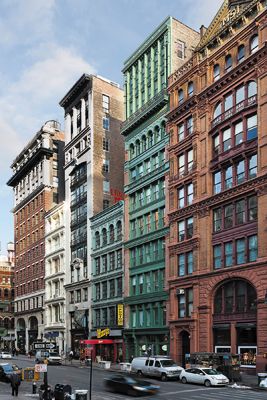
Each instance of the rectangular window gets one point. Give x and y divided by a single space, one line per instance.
252 248
228 177
105 103
105 144
190 160
228 254
181 231
240 251
217 182
105 166
252 167
190 193
181 164
181 50
216 145
106 186
228 216
238 133
181 265
217 256
185 303
227 139
252 127
189 228
252 208
189 125
217 220
106 123
240 214
181 198
240 172
180 132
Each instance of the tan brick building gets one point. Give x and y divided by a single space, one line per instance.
37 183
217 190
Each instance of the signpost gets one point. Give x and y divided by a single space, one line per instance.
40 368
30 374
43 346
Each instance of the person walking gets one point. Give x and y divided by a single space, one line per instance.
15 382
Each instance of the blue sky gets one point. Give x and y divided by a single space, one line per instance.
45 45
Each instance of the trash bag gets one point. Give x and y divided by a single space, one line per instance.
263 383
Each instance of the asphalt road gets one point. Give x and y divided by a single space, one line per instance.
78 378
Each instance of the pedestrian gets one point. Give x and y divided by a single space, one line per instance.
71 355
15 382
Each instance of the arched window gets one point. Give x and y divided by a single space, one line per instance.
216 72
104 237
217 110
111 234
180 96
240 53
252 89
144 143
235 297
119 230
162 129
6 293
254 44
131 151
137 147
97 240
228 62
190 89
150 139
157 134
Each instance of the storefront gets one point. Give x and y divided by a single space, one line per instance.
107 345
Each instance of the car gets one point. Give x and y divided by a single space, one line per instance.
5 355
129 385
162 367
6 371
51 356
205 376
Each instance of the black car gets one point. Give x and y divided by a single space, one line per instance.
5 371
130 386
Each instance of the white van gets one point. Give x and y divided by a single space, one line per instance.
157 367
51 356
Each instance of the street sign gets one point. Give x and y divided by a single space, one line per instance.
29 375
43 346
40 368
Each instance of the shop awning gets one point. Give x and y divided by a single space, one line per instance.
97 341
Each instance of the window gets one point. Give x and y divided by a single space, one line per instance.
252 127
227 139
228 177
105 103
240 251
252 167
228 216
190 193
228 62
181 50
240 172
185 264
216 145
185 303
252 208
217 110
216 72
254 44
240 53
217 256
105 204
240 212
217 220
190 89
106 186
238 130
228 254
105 166
185 229
106 123
252 248
181 199
240 97
217 183
180 96
189 125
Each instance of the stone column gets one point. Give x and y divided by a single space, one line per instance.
82 114
68 127
233 338
74 121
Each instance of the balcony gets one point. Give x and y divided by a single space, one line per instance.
243 105
151 106
78 199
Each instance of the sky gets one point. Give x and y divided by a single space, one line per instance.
46 45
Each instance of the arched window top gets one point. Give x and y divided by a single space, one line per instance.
137 147
104 236
234 297
131 150
254 43
241 53
144 142
111 233
228 62
97 239
190 89
150 138
252 88
216 72
180 96
119 230
217 110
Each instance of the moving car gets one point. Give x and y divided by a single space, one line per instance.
130 386
205 376
156 366
52 357
5 371
5 355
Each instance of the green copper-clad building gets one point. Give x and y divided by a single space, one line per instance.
146 104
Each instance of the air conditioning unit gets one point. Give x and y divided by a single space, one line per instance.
179 292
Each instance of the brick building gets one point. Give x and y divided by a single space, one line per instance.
37 183
7 336
146 104
94 157
217 192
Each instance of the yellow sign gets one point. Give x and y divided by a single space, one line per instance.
29 375
102 332
120 314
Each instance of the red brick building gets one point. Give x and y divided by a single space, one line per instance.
216 250
38 186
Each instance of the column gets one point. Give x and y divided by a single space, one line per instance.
68 127
82 114
74 121
233 338
26 340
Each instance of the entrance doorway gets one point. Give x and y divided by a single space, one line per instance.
185 340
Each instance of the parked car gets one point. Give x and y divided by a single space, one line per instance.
130 386
5 355
5 371
52 357
156 366
205 376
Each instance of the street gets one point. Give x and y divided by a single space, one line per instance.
78 378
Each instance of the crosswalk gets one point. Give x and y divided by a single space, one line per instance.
228 394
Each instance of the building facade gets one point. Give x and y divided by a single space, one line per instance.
7 327
217 197
146 104
55 298
36 181
107 283
94 156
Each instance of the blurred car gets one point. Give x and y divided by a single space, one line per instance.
5 355
17 370
5 371
51 356
130 386
205 376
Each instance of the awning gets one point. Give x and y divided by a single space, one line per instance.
97 341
